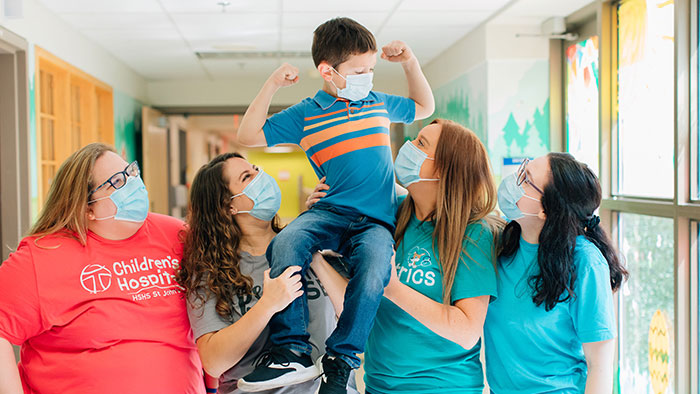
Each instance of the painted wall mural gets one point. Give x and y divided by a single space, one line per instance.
127 125
462 100
505 102
518 110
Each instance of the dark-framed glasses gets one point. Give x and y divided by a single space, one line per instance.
118 180
522 176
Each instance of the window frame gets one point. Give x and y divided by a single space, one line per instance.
684 207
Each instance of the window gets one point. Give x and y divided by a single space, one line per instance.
648 158
645 96
646 305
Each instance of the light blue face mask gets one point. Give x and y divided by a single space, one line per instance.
509 193
357 86
408 164
266 196
131 201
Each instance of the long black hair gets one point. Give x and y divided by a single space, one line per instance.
569 200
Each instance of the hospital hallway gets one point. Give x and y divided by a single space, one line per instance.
166 83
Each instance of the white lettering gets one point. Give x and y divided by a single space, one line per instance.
430 278
413 277
123 286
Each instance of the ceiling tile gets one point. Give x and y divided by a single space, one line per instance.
425 42
437 19
296 39
311 20
97 6
452 5
227 26
157 37
212 6
123 21
161 66
338 6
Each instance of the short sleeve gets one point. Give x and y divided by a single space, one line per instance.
20 312
476 275
400 109
203 316
285 127
592 310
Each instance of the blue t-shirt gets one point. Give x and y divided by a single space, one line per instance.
348 143
530 350
404 356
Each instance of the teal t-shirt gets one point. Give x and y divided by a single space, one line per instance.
404 356
530 350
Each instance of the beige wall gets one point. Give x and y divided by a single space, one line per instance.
41 27
241 91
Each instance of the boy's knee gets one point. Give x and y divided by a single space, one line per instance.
376 276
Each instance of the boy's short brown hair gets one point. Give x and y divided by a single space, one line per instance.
338 38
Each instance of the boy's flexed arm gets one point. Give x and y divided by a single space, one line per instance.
418 87
250 131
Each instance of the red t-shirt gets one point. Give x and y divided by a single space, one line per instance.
107 317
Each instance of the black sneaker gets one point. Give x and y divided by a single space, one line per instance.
334 375
278 367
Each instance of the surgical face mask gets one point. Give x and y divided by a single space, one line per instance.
509 193
131 201
357 86
266 196
408 164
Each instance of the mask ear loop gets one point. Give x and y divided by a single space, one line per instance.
533 199
333 83
428 179
243 192
100 199
238 195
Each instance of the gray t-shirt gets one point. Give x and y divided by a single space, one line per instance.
204 320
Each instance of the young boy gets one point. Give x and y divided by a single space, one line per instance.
344 130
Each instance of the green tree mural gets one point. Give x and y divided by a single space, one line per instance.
511 131
541 123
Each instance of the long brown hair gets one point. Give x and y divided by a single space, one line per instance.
65 210
466 194
211 260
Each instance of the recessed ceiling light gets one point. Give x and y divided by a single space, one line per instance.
223 4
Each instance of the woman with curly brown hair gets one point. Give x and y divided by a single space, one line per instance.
231 298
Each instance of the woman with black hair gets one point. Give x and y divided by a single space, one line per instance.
552 328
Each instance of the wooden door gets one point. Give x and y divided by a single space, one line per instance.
154 169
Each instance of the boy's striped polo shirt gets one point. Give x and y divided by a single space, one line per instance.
348 143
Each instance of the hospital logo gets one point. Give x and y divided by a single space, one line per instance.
417 268
418 257
95 278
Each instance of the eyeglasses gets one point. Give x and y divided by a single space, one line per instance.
522 176
118 180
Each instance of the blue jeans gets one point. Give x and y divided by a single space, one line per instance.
367 247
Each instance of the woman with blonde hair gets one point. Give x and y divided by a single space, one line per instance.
90 294
426 333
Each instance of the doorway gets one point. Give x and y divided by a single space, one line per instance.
14 150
